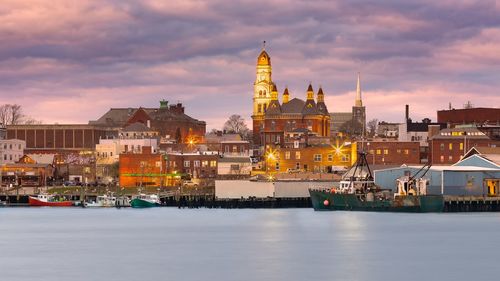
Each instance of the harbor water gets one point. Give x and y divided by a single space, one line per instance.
245 244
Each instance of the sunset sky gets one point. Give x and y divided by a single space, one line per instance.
70 61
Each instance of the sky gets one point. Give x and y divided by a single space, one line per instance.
70 61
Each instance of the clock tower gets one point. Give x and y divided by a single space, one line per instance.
263 87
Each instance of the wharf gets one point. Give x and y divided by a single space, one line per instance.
471 204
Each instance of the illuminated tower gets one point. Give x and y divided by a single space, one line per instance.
263 87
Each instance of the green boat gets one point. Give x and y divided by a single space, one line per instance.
358 192
145 201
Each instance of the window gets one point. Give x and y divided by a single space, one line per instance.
235 148
10 156
450 158
297 155
330 157
5 157
399 151
226 148
10 146
265 107
278 139
204 163
450 146
386 151
407 151
317 157
461 146
441 158
273 125
259 108
111 154
287 155
345 158
196 163
186 163
371 151
213 163
441 146
297 166
379 151
277 166
242 149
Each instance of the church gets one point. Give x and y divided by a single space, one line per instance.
272 119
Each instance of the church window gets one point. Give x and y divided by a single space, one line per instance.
264 92
260 93
259 108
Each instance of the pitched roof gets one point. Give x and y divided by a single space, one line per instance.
136 127
310 108
42 158
118 116
295 105
273 108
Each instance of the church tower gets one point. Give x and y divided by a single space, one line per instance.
359 111
263 87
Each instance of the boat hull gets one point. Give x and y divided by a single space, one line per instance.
35 202
140 203
327 201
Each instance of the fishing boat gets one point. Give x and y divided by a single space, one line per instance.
49 200
145 201
102 201
358 192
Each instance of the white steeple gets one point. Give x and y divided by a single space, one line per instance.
358 101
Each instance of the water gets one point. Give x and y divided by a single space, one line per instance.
203 244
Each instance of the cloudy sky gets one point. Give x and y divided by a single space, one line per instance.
70 61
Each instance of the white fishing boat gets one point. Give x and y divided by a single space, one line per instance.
102 201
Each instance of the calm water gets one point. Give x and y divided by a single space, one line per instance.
295 244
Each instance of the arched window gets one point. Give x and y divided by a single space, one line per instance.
260 93
259 108
264 92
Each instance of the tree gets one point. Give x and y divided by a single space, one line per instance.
372 127
12 114
236 125
351 128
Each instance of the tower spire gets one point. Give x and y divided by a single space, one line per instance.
263 45
358 101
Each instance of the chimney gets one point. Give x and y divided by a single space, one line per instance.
407 112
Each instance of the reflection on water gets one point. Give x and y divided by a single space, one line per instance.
203 244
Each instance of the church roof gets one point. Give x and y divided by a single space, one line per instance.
310 108
295 105
273 108
264 58
322 108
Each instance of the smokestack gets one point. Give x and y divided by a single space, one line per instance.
407 113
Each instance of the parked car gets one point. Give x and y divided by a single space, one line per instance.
72 183
189 184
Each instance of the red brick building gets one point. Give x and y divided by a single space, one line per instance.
271 119
390 152
170 121
143 169
478 116
449 145
200 165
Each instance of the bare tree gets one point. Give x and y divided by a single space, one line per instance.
236 125
12 114
372 127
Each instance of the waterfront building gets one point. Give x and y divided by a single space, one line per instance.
477 116
272 118
144 169
196 165
391 152
450 145
11 150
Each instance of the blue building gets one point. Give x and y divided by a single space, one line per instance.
477 174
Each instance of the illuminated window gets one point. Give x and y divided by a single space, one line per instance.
386 151
213 163
407 151
379 151
450 158
371 151
317 157
287 155
450 146
461 146
204 163
297 155
399 151
441 158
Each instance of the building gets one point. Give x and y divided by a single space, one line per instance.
450 145
171 122
57 137
478 116
234 159
391 152
11 150
197 165
272 118
26 174
338 122
388 130
359 112
144 169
